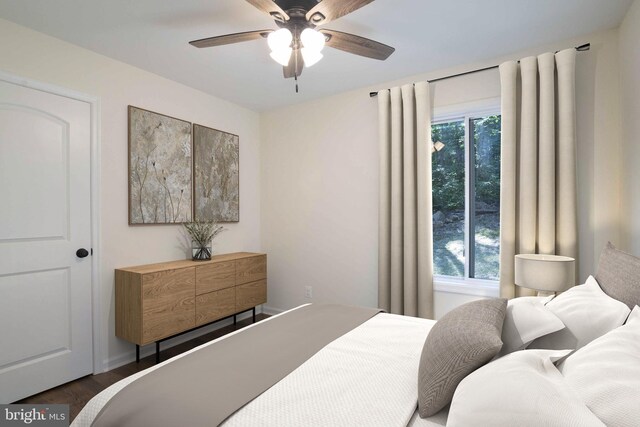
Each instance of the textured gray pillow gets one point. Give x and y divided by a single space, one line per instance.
619 275
462 341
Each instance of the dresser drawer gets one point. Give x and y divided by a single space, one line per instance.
216 276
215 305
251 269
168 303
251 294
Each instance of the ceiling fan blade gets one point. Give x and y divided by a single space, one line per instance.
357 45
295 66
230 38
271 8
329 10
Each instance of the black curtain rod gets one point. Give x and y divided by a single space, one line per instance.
580 48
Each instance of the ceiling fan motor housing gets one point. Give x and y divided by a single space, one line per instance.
297 21
287 5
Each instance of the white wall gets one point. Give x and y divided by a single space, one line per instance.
33 55
630 101
320 179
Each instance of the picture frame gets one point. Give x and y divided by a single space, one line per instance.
216 172
159 167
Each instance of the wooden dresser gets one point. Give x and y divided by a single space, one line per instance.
157 301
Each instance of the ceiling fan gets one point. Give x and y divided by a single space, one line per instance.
298 43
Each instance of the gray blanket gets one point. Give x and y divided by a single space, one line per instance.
207 386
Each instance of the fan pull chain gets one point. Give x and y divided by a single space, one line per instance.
295 74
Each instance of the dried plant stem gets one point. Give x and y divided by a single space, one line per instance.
203 233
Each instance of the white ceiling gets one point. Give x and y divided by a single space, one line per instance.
427 34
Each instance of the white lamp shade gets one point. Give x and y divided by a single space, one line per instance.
547 273
280 40
310 57
312 40
282 56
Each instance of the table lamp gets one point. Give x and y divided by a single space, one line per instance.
547 274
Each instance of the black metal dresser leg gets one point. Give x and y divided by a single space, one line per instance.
254 315
137 353
157 351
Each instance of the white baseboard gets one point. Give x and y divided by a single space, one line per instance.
148 350
271 311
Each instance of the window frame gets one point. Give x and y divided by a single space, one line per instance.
467 113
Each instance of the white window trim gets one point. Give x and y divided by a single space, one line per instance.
445 113
466 286
466 112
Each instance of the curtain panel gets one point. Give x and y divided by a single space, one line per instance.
405 255
538 201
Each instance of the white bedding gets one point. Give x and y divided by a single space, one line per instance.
366 377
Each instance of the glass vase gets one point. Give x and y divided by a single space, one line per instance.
199 252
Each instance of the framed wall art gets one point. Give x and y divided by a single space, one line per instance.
160 168
216 168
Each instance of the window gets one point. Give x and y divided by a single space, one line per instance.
466 197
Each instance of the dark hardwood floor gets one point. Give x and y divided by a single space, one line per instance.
77 393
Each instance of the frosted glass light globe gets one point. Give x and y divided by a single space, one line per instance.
279 40
312 40
310 57
280 45
282 56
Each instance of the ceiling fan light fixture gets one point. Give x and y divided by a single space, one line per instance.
280 45
298 41
312 40
310 57
282 56
280 40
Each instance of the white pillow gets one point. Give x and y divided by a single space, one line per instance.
606 374
521 389
527 319
587 313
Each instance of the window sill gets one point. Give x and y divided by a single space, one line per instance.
473 287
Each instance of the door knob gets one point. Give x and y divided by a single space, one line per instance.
82 253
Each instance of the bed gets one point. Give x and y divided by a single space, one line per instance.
379 356
570 360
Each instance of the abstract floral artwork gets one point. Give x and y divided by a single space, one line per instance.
216 160
159 168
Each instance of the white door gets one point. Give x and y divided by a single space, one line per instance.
45 288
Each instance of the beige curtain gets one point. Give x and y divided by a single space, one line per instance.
405 260
538 207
